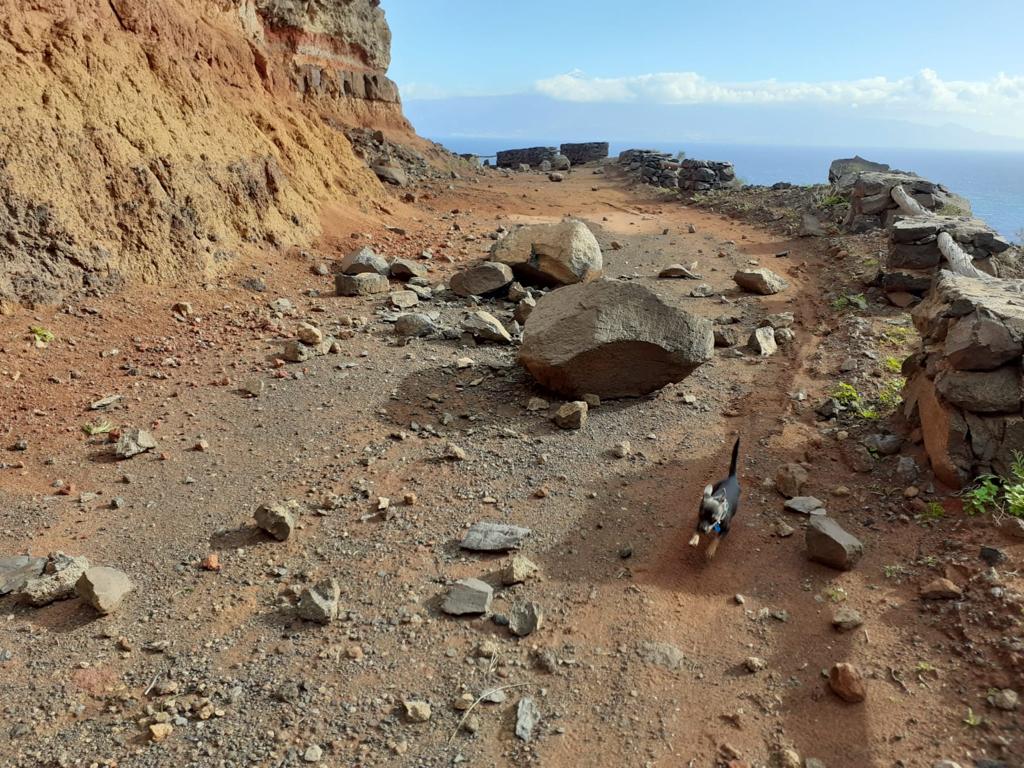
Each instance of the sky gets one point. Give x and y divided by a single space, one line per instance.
941 63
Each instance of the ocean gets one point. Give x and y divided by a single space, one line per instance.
992 181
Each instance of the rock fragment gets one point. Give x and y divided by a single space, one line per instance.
829 544
551 254
941 589
17 570
481 280
572 415
133 442
103 588
761 281
277 519
57 582
468 596
493 537
364 260
525 618
527 718
486 327
362 284
320 603
790 480
847 683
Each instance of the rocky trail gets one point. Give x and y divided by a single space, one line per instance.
613 642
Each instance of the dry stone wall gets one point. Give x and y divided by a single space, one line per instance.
964 386
702 175
589 152
531 156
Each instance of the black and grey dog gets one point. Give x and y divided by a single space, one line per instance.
718 507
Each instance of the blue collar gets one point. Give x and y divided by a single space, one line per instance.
717 528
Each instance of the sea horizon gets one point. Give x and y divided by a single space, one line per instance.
992 180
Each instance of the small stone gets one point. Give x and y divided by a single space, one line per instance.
319 603
622 450
525 618
524 309
103 588
415 325
471 724
453 452
847 683
992 556
592 401
253 387
755 664
160 731
788 758
761 281
702 291
739 599
518 570
362 284
310 334
468 596
277 519
463 702
417 711
783 529
403 299
941 589
58 580
485 326
313 754
846 619
677 272
527 717
132 442
537 404
493 537
1005 699
805 505
572 415
762 341
829 544
790 480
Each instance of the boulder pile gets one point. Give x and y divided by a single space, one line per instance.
964 386
702 175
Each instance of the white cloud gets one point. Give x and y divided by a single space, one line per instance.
924 91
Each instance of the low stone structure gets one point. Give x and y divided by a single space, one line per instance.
702 175
914 256
653 167
531 156
850 167
588 152
964 386
872 204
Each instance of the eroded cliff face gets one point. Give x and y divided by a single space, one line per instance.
150 140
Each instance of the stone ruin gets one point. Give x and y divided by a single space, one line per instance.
914 257
702 175
662 169
872 204
964 386
588 152
531 156
659 169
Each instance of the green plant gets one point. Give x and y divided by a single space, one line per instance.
857 300
895 571
998 495
846 394
893 364
891 395
98 428
973 720
41 334
835 594
896 336
830 201
932 512
951 210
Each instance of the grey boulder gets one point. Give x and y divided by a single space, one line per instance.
481 280
612 339
104 588
364 260
761 281
469 596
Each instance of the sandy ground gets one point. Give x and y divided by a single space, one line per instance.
641 656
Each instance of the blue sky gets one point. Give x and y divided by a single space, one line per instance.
931 62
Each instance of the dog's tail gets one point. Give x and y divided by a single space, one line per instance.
735 458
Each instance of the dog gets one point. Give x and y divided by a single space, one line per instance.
718 507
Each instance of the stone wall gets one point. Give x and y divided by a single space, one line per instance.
964 386
914 257
589 152
872 206
657 168
531 156
702 175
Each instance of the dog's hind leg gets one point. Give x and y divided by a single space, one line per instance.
712 547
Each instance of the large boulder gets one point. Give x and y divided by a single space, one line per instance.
612 339
829 544
551 254
364 260
850 166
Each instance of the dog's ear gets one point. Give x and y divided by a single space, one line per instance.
708 491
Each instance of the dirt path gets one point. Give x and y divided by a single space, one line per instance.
641 658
